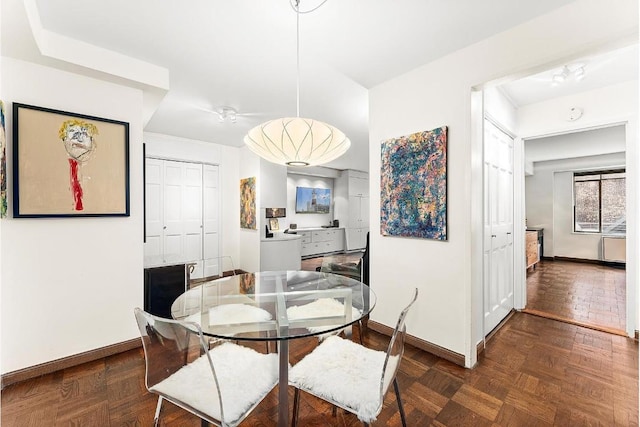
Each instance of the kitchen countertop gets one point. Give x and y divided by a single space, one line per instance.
317 228
281 236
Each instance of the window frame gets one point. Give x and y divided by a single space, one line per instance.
600 174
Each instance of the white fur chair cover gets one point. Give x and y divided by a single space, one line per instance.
322 307
244 375
346 373
229 314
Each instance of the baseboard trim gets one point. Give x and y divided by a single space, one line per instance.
427 346
69 361
590 261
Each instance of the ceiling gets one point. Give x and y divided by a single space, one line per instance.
601 70
242 54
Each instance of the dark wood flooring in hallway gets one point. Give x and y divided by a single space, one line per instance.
582 293
534 372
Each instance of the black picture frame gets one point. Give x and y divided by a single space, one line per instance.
69 164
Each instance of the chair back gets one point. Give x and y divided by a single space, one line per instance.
395 349
169 345
336 265
228 261
364 264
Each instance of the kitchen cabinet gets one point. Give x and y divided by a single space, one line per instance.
352 206
321 241
532 248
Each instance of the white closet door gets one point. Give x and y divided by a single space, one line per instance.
182 212
182 215
172 200
153 247
192 215
498 225
211 215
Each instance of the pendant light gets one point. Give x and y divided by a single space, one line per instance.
296 141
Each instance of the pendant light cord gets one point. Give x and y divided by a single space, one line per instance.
295 4
297 8
297 58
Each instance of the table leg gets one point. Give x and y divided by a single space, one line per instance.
283 385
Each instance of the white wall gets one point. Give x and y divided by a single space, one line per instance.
576 144
611 104
437 94
549 195
498 108
274 186
306 220
69 285
174 148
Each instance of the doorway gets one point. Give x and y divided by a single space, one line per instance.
575 193
618 113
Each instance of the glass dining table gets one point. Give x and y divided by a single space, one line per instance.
276 306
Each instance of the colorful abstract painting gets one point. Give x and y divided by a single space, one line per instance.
248 203
413 185
3 164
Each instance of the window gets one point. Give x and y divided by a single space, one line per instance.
599 202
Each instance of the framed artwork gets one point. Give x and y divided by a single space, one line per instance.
248 203
413 185
68 165
247 283
273 224
276 212
3 164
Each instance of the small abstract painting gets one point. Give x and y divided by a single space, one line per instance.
413 185
69 164
3 164
247 283
248 203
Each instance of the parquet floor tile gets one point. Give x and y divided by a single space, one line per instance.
534 372
591 294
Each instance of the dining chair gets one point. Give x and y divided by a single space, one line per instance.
335 264
351 376
323 307
355 270
221 385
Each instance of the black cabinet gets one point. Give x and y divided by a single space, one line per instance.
162 285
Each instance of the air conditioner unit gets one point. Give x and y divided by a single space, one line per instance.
614 248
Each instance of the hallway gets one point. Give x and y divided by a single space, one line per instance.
580 293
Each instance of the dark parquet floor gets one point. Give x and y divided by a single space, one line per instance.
534 372
587 294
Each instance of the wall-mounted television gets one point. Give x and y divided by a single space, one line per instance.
313 200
